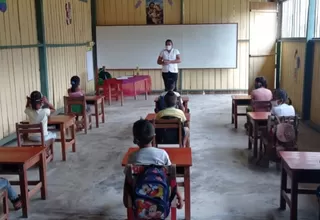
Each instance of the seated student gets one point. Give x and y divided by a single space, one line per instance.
104 74
143 134
12 195
170 100
281 107
170 86
76 91
261 92
38 109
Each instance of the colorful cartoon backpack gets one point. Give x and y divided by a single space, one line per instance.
153 194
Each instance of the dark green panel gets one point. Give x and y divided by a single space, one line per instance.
94 37
308 67
68 45
42 50
20 46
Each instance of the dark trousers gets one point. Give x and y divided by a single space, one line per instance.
172 76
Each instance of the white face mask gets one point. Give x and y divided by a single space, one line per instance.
169 47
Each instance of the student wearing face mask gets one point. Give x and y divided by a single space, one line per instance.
169 59
283 106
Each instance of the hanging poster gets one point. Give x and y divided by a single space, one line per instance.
90 68
3 5
154 11
297 65
68 13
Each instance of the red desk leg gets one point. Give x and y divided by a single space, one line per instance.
109 94
96 112
146 89
43 175
135 90
102 111
235 115
294 197
232 112
23 177
187 192
283 188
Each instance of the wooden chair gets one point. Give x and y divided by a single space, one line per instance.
69 102
5 204
168 131
269 144
23 130
133 172
115 89
261 106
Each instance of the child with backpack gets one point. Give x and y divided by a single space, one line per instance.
161 103
152 196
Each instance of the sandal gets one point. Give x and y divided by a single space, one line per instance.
17 204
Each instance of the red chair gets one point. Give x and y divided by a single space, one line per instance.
115 88
133 171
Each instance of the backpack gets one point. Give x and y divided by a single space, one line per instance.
285 131
152 195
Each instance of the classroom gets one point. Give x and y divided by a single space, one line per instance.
218 97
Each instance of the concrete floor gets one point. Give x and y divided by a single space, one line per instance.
89 185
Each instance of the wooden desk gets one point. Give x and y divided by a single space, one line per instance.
256 119
238 100
301 167
96 100
65 122
23 158
152 116
181 157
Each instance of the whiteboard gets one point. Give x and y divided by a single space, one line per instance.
90 68
201 46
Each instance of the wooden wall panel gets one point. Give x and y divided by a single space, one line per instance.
19 70
115 12
315 97
18 23
56 28
63 63
20 76
293 87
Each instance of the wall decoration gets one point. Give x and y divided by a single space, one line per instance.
3 5
68 13
297 65
137 5
154 11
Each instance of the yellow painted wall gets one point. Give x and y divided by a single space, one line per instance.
315 97
293 87
123 12
19 68
64 62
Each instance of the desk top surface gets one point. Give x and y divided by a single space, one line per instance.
18 155
152 116
259 116
179 156
301 160
241 97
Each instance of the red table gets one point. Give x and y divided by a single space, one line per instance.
238 100
131 86
301 167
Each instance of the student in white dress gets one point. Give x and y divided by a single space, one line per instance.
38 109
169 59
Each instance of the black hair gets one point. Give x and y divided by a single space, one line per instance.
171 84
261 81
35 99
143 132
75 82
151 3
170 99
169 41
280 94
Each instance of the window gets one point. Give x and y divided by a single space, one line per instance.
294 18
317 34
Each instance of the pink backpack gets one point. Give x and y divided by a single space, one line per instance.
285 130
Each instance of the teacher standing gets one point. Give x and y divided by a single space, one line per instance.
169 59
